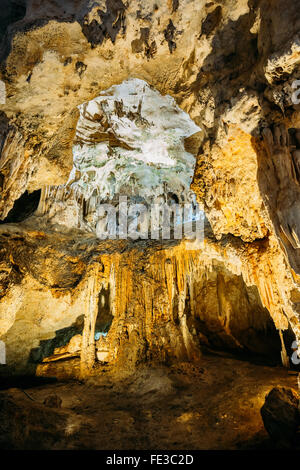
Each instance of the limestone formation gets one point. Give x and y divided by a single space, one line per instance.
181 102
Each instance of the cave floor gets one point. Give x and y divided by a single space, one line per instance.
211 405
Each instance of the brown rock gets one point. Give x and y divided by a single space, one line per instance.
280 415
53 401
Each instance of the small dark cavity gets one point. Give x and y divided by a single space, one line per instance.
211 21
23 207
169 34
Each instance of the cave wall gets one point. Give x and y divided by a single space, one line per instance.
230 65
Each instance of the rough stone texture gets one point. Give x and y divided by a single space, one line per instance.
74 307
280 414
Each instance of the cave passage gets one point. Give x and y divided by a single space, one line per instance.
228 317
23 207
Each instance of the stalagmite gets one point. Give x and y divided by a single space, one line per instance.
87 358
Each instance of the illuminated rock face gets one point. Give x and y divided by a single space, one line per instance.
129 141
141 144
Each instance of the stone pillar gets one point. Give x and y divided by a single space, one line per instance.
87 358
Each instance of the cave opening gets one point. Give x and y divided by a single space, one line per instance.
104 318
227 317
23 207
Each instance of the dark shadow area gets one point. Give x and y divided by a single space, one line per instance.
4 128
289 339
104 317
228 68
278 182
107 26
244 355
229 318
24 207
264 348
11 11
24 381
62 338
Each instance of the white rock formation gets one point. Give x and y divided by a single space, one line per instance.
129 141
153 128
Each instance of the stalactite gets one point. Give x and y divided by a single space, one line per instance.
155 301
284 356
